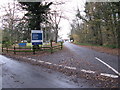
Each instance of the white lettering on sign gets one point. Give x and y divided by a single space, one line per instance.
35 36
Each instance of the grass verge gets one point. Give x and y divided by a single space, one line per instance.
107 46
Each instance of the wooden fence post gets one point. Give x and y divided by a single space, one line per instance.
7 49
33 49
51 47
61 45
14 50
2 49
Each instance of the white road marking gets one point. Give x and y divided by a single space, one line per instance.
60 65
83 70
87 71
48 63
29 58
108 66
41 61
55 64
109 75
74 68
33 59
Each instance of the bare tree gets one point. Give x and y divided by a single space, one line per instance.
55 16
10 20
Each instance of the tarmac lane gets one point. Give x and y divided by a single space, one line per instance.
17 74
87 61
94 60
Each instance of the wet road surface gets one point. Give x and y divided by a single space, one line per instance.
89 56
20 74
17 74
83 58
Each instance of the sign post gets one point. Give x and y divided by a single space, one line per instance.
37 37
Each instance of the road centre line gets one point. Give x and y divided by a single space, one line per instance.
29 58
87 71
33 59
74 68
55 64
109 75
60 65
40 61
108 66
48 63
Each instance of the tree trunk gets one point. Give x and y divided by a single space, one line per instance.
100 38
56 36
56 33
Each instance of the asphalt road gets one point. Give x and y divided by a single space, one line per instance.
83 58
17 74
88 59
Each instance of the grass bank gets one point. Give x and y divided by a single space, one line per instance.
104 49
87 44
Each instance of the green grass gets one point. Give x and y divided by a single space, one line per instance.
111 46
21 50
29 44
0 45
24 51
87 44
46 44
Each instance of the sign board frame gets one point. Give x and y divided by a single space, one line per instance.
36 37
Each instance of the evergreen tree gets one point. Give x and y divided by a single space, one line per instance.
101 24
36 13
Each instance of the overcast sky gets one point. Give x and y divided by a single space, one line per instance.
68 9
69 12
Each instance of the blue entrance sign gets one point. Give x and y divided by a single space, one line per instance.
37 37
22 44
